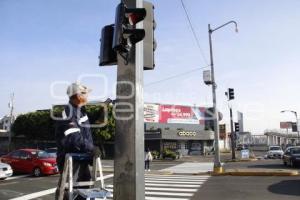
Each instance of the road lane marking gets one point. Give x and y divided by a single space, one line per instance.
177 182
172 179
16 177
46 192
177 176
164 193
159 198
174 185
164 198
169 187
9 183
162 189
35 195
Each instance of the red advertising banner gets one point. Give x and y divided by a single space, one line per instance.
181 114
285 125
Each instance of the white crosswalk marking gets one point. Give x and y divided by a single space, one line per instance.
170 187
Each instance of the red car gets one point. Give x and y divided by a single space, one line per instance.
34 161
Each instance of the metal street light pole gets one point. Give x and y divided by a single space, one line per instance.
217 163
296 115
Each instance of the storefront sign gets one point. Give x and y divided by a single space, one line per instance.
187 133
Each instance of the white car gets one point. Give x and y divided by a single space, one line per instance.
5 171
275 152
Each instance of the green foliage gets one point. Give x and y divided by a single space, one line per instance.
104 118
167 153
155 154
35 125
40 126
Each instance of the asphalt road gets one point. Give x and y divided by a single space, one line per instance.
179 187
21 185
250 188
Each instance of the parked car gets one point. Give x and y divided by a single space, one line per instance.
5 171
291 156
52 152
34 161
275 152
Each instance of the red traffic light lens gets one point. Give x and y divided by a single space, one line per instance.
135 15
133 18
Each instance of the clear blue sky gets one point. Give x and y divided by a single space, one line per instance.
43 42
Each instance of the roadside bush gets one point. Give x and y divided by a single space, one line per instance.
155 154
169 154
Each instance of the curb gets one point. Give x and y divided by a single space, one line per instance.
193 174
241 160
245 172
160 172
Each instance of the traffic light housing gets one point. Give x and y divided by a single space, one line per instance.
149 40
294 127
237 127
125 33
230 94
107 55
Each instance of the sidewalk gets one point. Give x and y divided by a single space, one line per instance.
190 168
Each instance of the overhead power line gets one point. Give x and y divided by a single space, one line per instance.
175 76
194 33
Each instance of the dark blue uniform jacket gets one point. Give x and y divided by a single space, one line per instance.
73 134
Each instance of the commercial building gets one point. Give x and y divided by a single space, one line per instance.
184 129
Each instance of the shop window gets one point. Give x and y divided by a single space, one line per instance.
170 145
186 145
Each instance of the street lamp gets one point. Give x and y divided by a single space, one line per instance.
217 163
295 113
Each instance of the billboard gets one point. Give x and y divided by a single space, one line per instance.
151 113
285 125
174 114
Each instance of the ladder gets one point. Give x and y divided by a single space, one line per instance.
67 183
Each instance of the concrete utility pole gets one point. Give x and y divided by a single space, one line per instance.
11 106
129 112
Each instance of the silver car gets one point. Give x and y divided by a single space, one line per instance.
5 171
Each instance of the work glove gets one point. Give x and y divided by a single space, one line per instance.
96 152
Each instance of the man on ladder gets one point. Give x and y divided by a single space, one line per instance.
73 134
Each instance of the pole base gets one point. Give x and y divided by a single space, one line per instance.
218 170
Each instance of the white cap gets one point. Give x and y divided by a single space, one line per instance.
77 88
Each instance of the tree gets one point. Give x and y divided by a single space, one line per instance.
40 126
35 125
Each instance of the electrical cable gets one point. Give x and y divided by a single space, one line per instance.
175 76
194 33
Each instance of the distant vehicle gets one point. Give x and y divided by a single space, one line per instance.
291 156
241 147
33 161
275 152
5 171
52 152
195 151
